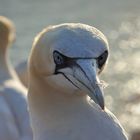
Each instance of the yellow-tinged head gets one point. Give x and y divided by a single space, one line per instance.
69 57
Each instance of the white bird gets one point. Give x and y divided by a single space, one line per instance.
63 73
14 116
21 70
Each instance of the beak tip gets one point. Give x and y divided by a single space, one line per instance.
103 107
98 98
101 103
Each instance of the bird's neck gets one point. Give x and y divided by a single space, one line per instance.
59 116
56 114
6 70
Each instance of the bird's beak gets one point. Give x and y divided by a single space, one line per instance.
85 72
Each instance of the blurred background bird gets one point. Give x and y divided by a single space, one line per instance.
22 73
14 116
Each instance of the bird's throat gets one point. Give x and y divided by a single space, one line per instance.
52 112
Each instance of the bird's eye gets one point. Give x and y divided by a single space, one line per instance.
102 59
58 58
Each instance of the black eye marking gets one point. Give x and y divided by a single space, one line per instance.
61 61
58 58
102 59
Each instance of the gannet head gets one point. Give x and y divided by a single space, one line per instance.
69 57
7 31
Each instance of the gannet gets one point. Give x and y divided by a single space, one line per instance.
65 95
21 70
14 116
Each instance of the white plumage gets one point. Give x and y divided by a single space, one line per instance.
21 70
64 65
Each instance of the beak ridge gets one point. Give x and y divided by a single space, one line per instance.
89 77
84 71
